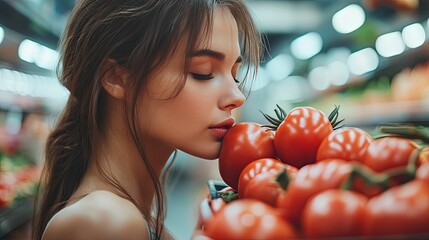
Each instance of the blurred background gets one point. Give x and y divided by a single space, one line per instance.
368 56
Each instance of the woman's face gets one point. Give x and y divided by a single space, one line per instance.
196 120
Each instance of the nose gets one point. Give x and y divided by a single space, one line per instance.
232 97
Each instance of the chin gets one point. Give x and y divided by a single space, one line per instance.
208 150
208 155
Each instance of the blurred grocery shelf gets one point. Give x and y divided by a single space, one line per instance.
14 216
371 115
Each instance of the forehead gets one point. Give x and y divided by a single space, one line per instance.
222 36
223 32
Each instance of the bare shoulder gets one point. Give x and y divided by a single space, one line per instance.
99 215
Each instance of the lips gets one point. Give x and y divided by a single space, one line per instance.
219 130
225 124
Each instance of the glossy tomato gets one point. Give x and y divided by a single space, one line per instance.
334 213
248 219
368 182
256 167
424 155
209 208
346 143
401 210
263 188
423 172
259 180
299 136
388 152
309 181
243 143
216 204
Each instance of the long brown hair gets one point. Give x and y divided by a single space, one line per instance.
139 35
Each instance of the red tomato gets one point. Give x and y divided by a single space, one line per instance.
345 143
300 134
244 143
248 219
209 208
424 155
361 186
263 188
309 181
402 209
256 167
334 213
423 172
259 180
388 152
216 205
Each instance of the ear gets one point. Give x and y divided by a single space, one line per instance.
113 78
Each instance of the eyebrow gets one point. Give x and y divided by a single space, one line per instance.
213 54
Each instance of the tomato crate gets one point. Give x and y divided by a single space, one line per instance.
214 187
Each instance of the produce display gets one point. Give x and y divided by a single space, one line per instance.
18 179
400 97
307 176
19 158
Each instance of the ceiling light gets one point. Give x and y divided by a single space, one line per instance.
319 78
280 67
348 19
31 85
307 46
28 50
339 73
34 52
390 44
47 58
413 35
1 34
261 80
363 61
289 89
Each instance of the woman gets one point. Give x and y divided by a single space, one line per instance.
146 77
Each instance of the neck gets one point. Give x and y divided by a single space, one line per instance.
120 158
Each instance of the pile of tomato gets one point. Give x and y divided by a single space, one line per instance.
308 176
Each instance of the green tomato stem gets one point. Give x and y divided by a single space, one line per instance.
408 171
369 177
283 179
228 196
404 131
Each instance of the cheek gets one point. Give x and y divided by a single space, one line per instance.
194 100
189 113
195 104
185 115
183 122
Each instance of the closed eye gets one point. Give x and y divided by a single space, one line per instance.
202 76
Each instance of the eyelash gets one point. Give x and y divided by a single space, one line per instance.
207 77
202 76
